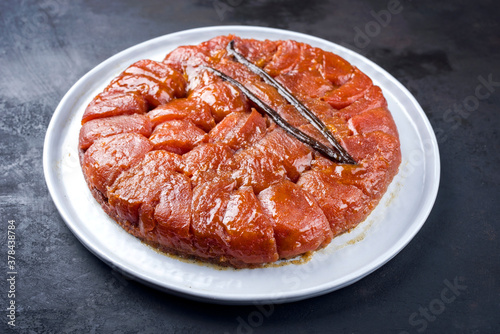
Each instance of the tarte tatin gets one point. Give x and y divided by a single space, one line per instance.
204 154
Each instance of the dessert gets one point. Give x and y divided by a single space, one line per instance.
239 152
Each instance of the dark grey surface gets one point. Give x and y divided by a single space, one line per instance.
439 50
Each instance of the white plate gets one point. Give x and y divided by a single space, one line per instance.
399 216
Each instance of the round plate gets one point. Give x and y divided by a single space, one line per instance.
399 216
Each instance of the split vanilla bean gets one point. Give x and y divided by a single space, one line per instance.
301 108
273 114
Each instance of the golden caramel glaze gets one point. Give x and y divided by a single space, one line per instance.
182 160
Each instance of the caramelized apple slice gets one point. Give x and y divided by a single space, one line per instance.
349 92
108 157
299 224
109 104
105 127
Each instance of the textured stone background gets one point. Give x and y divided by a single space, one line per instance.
439 50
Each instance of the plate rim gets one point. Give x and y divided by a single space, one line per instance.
205 295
